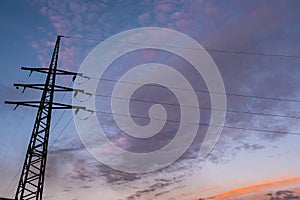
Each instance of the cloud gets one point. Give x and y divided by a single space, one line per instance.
253 27
257 191
153 188
69 17
251 147
283 195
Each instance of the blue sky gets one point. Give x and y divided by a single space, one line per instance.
240 158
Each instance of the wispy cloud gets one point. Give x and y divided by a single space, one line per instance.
259 190
252 27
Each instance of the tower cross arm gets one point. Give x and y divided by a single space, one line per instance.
36 104
46 71
57 88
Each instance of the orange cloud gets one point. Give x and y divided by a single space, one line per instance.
256 187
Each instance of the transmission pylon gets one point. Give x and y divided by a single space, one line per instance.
31 182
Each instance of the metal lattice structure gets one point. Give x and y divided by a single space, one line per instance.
31 182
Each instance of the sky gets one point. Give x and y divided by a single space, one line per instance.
256 47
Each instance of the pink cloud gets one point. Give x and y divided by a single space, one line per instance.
162 18
144 18
122 141
260 11
34 45
176 15
67 18
195 6
50 44
44 10
211 9
165 7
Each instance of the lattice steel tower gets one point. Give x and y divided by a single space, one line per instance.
31 182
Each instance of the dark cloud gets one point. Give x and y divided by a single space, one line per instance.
160 184
247 146
283 195
59 151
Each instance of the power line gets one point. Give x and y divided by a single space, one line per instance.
8 191
6 152
197 90
232 94
204 108
190 48
203 124
60 117
253 53
61 99
11 186
13 139
55 125
19 126
61 132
